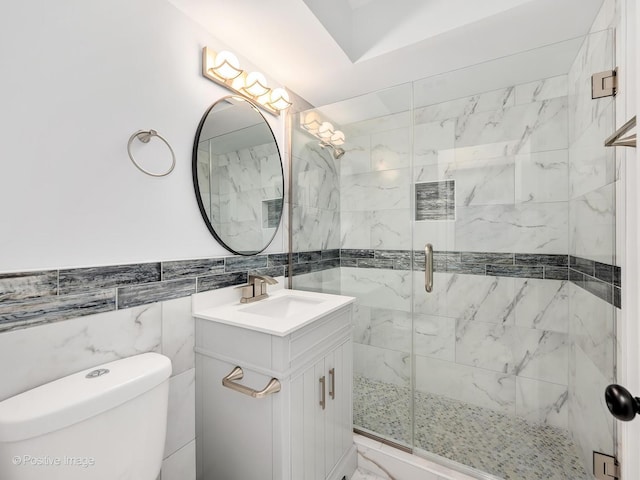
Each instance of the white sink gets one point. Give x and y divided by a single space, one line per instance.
282 306
282 313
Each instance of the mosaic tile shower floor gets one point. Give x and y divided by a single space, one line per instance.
499 444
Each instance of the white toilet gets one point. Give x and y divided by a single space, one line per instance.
104 423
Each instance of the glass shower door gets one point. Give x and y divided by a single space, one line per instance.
514 346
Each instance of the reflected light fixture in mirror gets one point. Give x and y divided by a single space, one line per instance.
324 131
224 69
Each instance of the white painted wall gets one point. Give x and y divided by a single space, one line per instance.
78 78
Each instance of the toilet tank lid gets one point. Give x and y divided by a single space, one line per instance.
80 396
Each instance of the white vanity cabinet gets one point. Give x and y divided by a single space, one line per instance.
301 432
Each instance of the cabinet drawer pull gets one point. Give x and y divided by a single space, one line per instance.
322 392
236 374
332 383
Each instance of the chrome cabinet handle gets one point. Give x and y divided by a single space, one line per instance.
236 374
322 392
428 267
332 384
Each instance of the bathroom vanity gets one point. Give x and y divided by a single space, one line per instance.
286 412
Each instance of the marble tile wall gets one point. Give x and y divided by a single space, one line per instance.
595 289
50 351
316 197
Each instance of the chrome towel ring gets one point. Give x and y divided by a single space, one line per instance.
145 136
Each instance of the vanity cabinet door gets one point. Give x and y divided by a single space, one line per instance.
321 425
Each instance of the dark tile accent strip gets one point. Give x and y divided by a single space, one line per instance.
83 279
270 271
356 253
236 264
435 200
51 309
277 259
306 257
192 268
541 259
519 271
556 273
329 254
21 286
213 282
582 265
487 258
31 298
134 295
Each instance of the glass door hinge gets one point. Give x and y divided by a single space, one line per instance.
605 467
604 84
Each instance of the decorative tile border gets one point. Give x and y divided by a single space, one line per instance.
29 298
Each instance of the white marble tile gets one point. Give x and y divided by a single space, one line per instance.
591 164
591 424
467 297
440 233
593 329
390 149
595 55
530 127
380 190
381 364
434 336
532 228
181 465
542 402
541 355
486 182
542 304
541 176
178 334
606 17
390 329
485 345
390 230
592 225
315 229
433 142
468 384
361 324
379 288
544 89
355 229
381 123
181 417
357 157
41 354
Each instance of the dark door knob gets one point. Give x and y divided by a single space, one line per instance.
621 403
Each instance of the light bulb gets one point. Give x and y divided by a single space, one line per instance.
337 138
256 84
311 122
279 99
226 65
325 131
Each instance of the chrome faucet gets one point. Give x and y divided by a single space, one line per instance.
256 288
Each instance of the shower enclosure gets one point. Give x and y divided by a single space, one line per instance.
500 167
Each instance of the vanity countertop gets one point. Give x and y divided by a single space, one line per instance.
281 314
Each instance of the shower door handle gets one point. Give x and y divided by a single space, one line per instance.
428 267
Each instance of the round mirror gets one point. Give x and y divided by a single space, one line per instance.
237 175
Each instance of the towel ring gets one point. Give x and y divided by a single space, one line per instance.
145 136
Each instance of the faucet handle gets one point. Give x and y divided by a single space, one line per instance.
264 278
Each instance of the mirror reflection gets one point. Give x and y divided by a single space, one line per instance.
238 176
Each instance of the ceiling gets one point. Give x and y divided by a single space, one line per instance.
331 50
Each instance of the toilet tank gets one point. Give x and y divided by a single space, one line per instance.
106 422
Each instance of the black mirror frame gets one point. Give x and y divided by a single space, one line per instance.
196 186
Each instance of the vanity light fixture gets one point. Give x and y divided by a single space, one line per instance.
324 131
224 69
